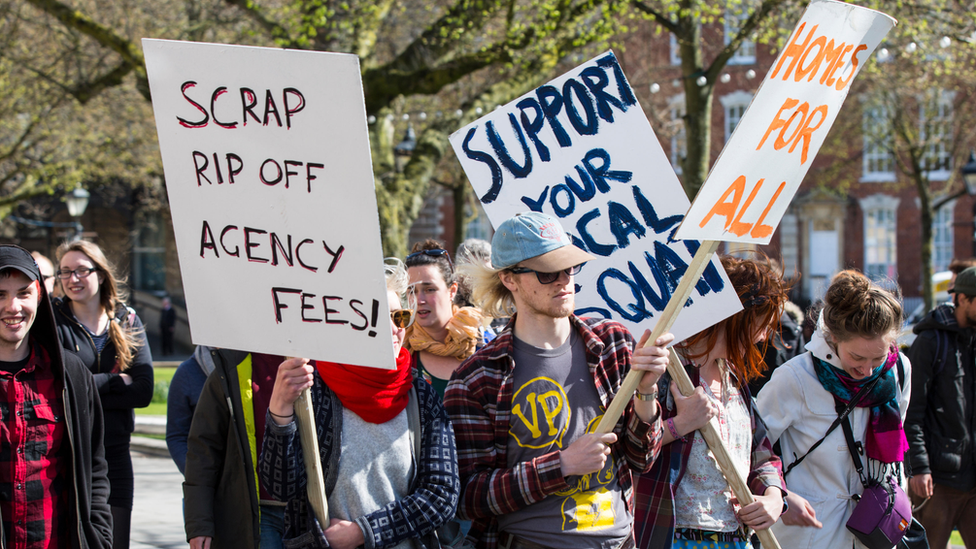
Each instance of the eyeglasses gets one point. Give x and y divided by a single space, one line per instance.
434 253
548 278
402 318
80 272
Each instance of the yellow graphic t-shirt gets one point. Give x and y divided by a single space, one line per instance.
555 402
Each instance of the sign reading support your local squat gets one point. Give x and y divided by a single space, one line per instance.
580 148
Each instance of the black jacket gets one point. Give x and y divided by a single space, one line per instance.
118 399
90 514
940 421
220 489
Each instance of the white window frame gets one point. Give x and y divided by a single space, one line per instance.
938 151
679 138
880 237
735 105
746 54
942 236
877 161
674 53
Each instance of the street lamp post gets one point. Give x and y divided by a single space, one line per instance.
969 179
77 201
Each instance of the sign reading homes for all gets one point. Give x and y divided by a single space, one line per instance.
270 186
774 144
580 148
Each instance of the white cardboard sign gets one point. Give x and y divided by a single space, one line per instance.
270 185
581 149
761 167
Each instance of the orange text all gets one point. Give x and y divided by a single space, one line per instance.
733 209
795 123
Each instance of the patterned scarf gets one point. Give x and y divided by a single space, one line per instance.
464 333
373 394
885 439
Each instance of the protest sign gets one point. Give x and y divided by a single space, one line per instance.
270 186
581 149
761 167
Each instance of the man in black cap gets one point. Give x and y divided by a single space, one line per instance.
940 421
53 475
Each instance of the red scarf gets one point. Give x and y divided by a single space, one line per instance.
373 394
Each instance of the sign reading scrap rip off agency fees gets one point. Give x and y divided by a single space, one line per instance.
774 144
581 149
270 186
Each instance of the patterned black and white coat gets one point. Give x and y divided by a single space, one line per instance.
434 492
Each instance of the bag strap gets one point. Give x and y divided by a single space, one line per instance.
841 416
855 448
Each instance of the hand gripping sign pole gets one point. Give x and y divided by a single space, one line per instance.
710 430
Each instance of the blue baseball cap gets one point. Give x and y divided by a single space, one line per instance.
537 241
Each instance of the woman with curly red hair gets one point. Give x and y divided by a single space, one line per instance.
684 501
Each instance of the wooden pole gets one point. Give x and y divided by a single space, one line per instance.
313 462
710 431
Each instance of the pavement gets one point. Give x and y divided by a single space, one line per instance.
157 511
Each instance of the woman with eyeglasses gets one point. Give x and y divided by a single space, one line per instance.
94 323
411 486
684 501
443 335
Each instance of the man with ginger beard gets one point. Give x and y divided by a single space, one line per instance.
534 474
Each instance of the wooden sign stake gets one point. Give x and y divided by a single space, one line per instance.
313 463
710 431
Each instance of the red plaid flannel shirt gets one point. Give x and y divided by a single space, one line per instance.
654 519
479 401
34 471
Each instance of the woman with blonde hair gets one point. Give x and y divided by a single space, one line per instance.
851 357
95 324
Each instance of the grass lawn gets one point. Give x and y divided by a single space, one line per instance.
158 408
956 539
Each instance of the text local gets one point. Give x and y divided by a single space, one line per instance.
584 101
291 98
260 246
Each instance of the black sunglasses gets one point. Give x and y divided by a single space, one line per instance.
548 278
434 253
402 318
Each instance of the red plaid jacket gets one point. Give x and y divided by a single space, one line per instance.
479 401
654 510
34 469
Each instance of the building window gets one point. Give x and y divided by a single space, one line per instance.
675 55
679 143
735 105
942 237
149 253
478 225
935 130
880 237
877 162
734 18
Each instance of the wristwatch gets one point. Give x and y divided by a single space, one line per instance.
646 396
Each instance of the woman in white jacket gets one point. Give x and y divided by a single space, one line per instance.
854 344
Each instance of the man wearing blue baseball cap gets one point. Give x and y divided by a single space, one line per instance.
53 474
524 407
